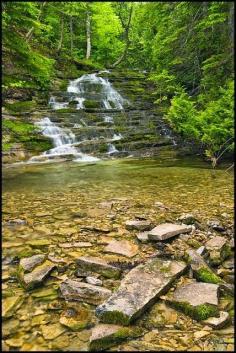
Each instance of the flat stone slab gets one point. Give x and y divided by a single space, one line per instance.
10 305
37 276
138 225
29 263
215 243
198 300
96 264
219 250
105 335
167 230
79 291
218 322
122 247
139 289
80 244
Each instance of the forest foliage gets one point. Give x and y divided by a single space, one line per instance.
185 47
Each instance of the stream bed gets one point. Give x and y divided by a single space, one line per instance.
49 208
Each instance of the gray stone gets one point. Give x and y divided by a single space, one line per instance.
167 230
98 265
79 291
187 218
105 336
10 305
216 225
29 263
37 276
139 289
201 250
201 271
143 237
218 322
122 247
94 281
138 225
218 249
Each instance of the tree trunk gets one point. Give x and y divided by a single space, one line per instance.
62 33
30 32
126 37
231 26
71 36
88 36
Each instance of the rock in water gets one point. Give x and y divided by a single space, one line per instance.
76 290
29 263
218 249
95 264
138 225
167 230
104 336
122 247
198 300
37 276
139 290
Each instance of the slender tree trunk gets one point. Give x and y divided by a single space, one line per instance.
231 26
126 37
88 35
30 32
71 36
62 35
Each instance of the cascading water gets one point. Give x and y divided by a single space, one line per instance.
112 149
63 140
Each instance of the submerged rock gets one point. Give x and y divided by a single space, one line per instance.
10 305
167 230
105 336
76 290
139 290
76 319
37 276
122 247
29 263
201 271
198 300
218 322
218 249
52 331
138 225
96 264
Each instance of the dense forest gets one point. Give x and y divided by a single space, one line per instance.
185 47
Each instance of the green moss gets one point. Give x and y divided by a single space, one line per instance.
193 243
103 148
226 252
114 317
199 312
91 104
67 110
20 107
110 273
206 275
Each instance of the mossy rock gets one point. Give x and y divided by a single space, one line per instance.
193 243
67 110
76 319
20 107
114 317
199 312
204 274
103 148
92 104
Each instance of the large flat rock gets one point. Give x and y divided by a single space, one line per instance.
198 300
79 291
139 289
96 264
167 230
219 250
138 225
122 247
29 263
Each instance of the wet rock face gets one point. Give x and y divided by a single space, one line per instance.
96 264
135 295
79 291
167 230
198 300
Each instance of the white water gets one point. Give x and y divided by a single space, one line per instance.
57 105
63 140
117 137
108 119
112 149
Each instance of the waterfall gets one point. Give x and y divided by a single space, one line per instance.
63 141
117 137
112 149
108 119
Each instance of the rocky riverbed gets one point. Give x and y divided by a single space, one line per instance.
125 255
